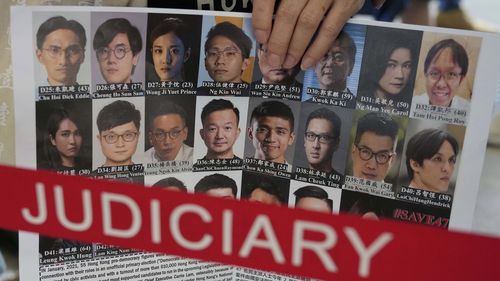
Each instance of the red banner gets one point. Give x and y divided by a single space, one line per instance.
241 233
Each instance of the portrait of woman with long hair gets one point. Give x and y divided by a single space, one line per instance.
62 143
388 71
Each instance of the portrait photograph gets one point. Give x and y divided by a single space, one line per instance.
367 206
272 131
169 128
388 73
431 156
220 126
173 182
227 50
339 69
118 126
446 70
376 146
313 197
173 47
222 184
266 189
264 73
62 48
64 135
118 47
323 138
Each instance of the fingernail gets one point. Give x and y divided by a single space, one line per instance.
261 36
307 62
290 62
273 59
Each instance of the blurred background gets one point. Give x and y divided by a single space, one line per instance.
486 217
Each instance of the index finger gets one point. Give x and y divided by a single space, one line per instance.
262 19
328 32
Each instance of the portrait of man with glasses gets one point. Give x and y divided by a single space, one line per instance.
227 52
117 44
333 69
445 68
320 154
374 149
168 132
61 50
321 139
118 124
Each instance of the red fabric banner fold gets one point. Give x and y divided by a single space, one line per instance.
279 239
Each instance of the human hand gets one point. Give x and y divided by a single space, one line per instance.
295 23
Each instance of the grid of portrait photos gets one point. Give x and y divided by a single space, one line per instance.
189 103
